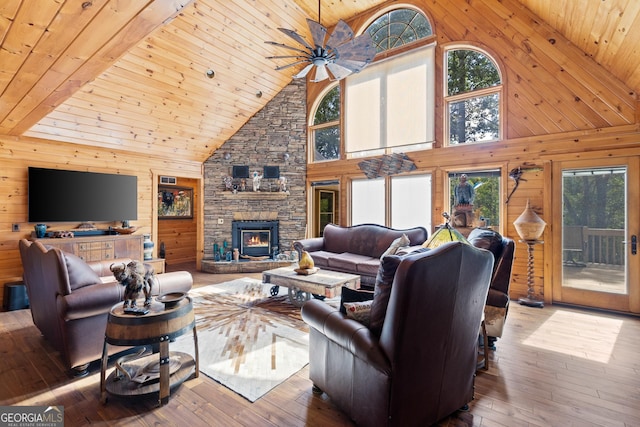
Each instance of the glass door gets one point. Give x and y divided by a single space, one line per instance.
595 257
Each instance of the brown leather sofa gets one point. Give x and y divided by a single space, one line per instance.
503 250
422 367
356 249
69 300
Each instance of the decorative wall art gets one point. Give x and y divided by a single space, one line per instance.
175 202
386 165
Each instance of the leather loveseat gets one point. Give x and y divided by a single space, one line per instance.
70 299
421 366
356 249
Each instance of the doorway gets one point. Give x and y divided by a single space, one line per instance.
595 250
325 204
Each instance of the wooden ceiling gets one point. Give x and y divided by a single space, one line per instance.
131 75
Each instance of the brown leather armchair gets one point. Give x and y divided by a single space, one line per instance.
70 299
422 367
503 250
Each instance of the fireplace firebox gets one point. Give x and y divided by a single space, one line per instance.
255 238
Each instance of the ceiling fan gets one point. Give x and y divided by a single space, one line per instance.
342 54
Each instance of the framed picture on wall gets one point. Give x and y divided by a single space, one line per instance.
175 202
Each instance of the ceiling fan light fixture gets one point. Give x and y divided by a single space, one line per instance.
342 54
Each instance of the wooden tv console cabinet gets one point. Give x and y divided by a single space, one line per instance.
99 248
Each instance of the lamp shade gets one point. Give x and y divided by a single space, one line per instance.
529 225
443 235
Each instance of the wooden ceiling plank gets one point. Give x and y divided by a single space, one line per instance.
206 106
64 28
28 26
107 23
249 59
154 15
8 10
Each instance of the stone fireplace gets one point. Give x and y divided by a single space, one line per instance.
274 136
255 238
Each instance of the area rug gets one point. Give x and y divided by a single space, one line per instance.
250 341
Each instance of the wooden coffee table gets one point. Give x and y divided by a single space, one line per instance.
323 283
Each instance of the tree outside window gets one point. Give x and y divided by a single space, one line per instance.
473 97
325 130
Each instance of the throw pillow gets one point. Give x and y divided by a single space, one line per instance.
382 291
80 274
359 311
395 245
353 295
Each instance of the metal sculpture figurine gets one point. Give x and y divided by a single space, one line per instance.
135 277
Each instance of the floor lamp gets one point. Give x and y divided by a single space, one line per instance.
530 228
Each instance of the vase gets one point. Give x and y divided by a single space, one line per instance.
236 254
147 246
41 230
529 225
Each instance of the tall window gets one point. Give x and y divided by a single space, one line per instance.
409 199
475 198
473 97
325 130
389 106
368 201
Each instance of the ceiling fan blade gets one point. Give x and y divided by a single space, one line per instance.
318 32
321 74
359 49
304 72
289 47
297 37
285 57
282 67
339 72
341 34
354 66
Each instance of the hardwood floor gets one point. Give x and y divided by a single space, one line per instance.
554 366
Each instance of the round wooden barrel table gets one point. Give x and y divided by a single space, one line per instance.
152 373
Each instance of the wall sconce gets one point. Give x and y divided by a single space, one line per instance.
227 156
286 156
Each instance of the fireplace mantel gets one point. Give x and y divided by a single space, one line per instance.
252 195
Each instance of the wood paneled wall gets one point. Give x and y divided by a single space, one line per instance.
16 154
558 104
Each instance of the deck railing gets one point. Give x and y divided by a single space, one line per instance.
604 246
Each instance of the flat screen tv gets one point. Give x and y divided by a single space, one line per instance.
57 195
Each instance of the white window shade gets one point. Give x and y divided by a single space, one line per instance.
368 201
411 201
391 103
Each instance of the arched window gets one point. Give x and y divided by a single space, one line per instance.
472 97
325 129
398 27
